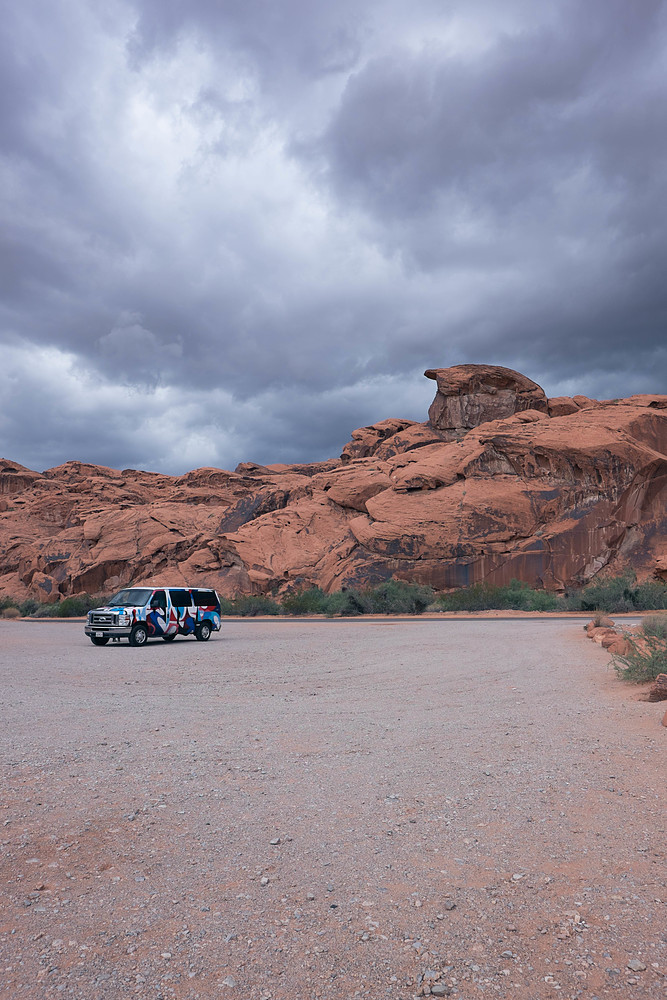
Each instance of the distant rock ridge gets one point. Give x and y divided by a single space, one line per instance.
499 483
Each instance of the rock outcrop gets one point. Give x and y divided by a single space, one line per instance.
470 395
500 482
659 690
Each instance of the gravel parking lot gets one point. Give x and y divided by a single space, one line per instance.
329 809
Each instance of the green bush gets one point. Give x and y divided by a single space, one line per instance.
75 607
479 597
29 607
516 596
393 597
644 661
615 594
44 611
249 606
544 600
306 602
650 596
346 603
655 625
612 594
226 606
396 597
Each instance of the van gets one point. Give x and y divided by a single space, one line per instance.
142 613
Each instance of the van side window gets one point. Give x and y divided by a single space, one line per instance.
204 598
180 598
159 600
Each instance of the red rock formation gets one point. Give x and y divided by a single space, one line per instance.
499 483
470 395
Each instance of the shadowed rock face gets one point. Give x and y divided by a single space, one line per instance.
499 483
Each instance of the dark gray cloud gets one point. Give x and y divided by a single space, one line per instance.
260 222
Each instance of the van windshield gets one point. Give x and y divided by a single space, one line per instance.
136 597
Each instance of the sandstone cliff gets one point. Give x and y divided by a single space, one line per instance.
500 482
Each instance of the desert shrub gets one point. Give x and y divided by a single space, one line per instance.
75 606
516 596
479 597
644 660
650 596
10 612
615 594
44 611
7 602
544 600
249 606
393 597
597 619
347 602
306 602
396 597
337 604
29 607
655 625
612 594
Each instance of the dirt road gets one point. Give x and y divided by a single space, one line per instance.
329 810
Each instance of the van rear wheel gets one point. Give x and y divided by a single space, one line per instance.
203 632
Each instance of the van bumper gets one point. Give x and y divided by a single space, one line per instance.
108 631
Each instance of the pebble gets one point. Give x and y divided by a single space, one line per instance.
449 904
440 990
635 965
275 841
229 981
264 880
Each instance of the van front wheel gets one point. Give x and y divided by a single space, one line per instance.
203 632
139 635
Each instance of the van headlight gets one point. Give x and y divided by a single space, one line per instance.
123 619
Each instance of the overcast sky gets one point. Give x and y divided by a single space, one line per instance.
234 230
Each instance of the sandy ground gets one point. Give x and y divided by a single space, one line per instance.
329 810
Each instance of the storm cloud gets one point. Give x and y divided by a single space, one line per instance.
236 231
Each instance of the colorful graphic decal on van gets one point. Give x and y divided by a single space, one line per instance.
156 621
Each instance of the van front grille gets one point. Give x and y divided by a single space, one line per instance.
103 618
